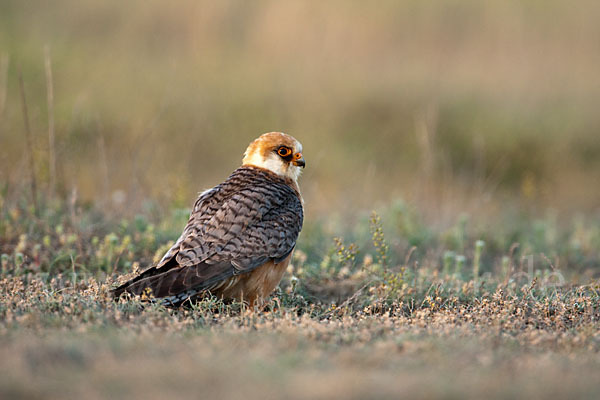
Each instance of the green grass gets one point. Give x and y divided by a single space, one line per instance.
469 127
350 319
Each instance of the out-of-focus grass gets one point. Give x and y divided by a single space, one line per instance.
482 116
66 339
460 105
86 241
114 352
393 307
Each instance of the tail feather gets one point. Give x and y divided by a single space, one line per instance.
177 283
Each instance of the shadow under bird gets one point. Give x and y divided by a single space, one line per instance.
240 236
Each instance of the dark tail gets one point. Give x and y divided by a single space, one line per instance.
176 284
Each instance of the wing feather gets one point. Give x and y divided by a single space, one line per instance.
251 218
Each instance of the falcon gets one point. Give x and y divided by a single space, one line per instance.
240 235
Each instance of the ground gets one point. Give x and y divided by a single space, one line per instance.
338 328
470 127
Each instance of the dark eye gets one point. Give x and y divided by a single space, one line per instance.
284 151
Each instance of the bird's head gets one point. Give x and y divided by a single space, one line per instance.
276 152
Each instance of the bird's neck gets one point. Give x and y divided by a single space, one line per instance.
293 183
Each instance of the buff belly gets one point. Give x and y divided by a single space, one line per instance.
255 286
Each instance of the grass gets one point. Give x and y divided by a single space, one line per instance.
469 127
358 319
70 343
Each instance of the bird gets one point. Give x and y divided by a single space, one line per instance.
240 236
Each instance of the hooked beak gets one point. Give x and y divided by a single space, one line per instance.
299 160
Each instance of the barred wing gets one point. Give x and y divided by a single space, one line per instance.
251 218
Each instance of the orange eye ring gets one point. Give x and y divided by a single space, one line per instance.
284 151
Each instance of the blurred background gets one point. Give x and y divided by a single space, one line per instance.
470 127
452 106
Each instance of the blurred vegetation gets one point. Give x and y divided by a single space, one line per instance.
452 235
71 340
331 261
391 299
470 127
392 307
456 106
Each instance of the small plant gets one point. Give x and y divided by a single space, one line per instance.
346 256
19 261
477 258
345 253
460 265
448 262
506 267
378 239
4 260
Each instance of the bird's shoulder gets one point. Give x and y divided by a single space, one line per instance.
248 183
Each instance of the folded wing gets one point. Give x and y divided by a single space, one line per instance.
251 218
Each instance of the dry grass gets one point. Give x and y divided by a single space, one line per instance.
470 126
352 321
69 342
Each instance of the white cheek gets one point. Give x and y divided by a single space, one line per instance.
275 164
272 162
294 172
